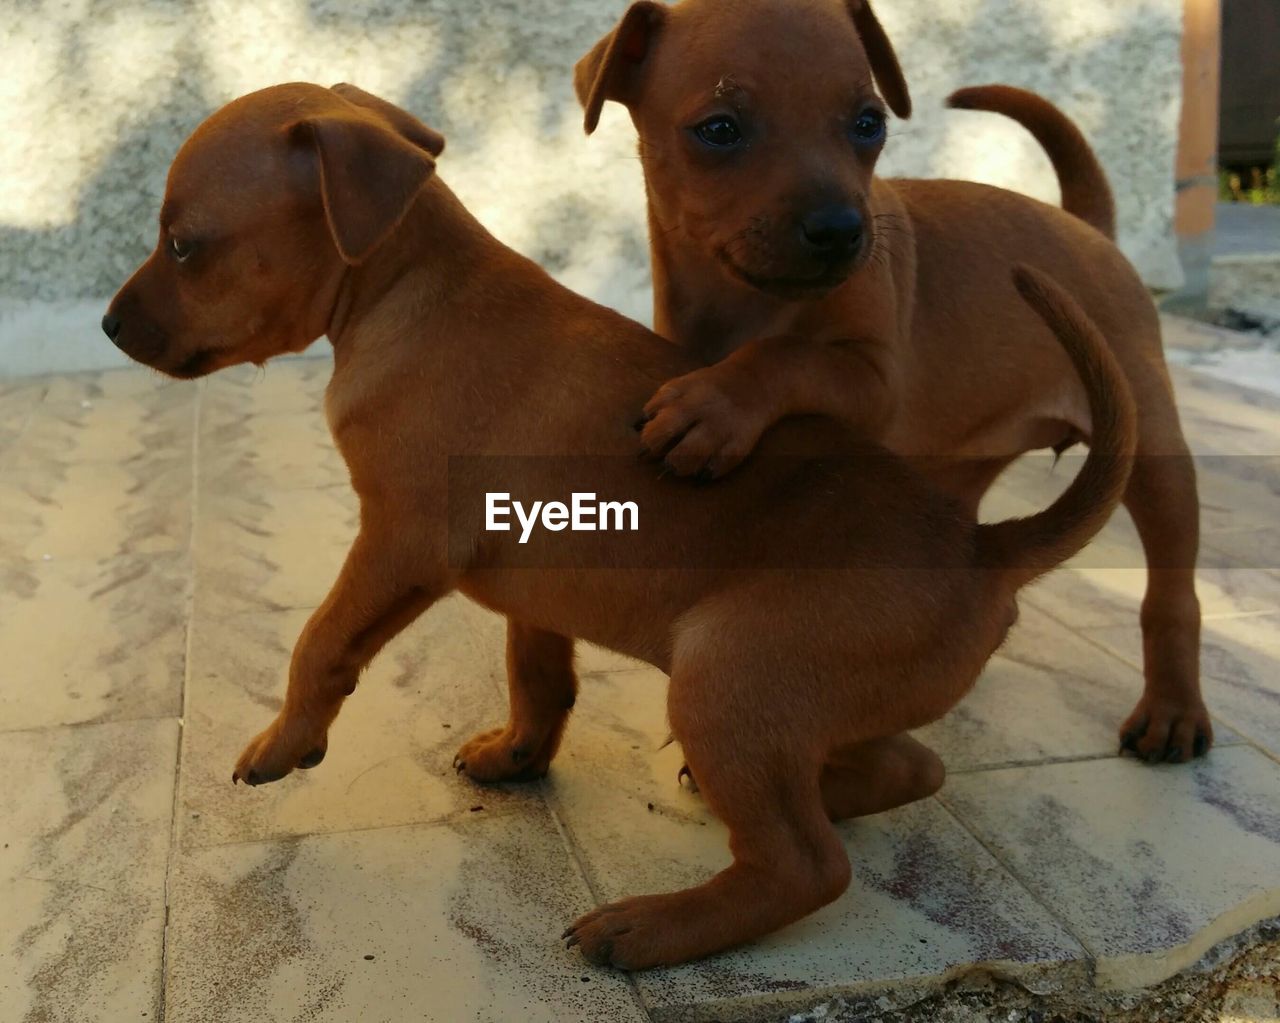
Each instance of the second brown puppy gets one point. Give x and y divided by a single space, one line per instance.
812 285
786 681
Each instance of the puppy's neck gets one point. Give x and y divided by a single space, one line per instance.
427 263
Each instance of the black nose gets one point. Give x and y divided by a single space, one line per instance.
835 231
111 326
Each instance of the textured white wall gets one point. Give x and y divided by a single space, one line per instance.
96 96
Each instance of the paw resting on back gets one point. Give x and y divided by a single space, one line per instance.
703 424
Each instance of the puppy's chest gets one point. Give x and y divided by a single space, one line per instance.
711 337
384 438
711 334
709 348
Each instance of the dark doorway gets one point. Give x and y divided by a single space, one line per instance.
1250 85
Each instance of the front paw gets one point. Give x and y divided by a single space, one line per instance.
500 755
278 750
631 934
703 424
1167 731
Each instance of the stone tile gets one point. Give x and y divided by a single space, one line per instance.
10 431
17 403
270 549
146 385
85 819
446 922
95 511
269 432
282 386
1150 867
13 388
1223 418
1240 671
280 892
1096 598
1235 434
1233 592
1238 493
1181 332
1246 548
1216 432
594 660
1047 695
390 752
131 431
271 452
925 898
92 641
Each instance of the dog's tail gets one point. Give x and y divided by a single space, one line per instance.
1086 193
1024 549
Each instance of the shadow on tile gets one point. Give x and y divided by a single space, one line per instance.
86 816
1150 867
92 641
457 922
391 750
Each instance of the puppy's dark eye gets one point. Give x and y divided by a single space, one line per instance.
869 126
719 132
181 249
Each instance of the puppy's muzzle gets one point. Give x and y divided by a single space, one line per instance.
140 340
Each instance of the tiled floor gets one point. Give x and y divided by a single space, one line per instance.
161 546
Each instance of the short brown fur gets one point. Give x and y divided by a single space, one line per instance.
790 688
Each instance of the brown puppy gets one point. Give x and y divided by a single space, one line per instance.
786 681
813 286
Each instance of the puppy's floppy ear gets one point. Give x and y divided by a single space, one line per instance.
369 177
884 62
403 121
612 69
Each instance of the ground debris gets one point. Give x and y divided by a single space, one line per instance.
1239 982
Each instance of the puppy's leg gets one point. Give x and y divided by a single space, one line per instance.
875 776
761 779
373 599
872 777
1171 721
543 687
708 421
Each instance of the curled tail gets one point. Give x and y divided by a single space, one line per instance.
1027 548
1086 193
